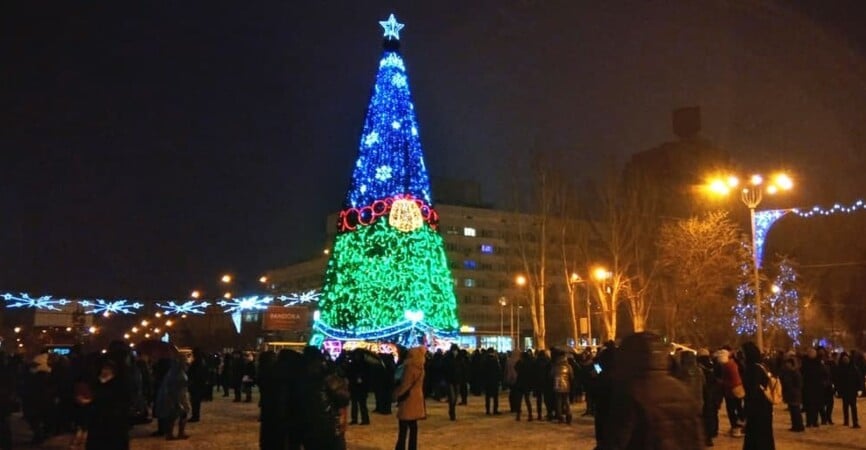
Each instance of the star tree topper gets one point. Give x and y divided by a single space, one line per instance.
392 27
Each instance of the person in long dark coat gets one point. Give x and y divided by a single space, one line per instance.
848 380
649 408
491 375
792 393
759 410
7 394
525 384
197 374
279 421
109 425
812 387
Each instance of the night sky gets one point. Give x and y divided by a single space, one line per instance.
147 149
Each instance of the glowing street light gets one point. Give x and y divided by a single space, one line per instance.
263 279
17 329
601 274
92 330
197 294
227 295
520 280
226 278
752 195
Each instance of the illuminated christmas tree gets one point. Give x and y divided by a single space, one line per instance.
388 276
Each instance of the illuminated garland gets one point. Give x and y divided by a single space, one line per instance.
23 300
351 218
765 219
168 307
188 307
107 308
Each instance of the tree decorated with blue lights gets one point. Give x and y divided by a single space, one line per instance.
780 309
784 303
388 276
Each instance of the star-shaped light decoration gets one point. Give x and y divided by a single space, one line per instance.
392 27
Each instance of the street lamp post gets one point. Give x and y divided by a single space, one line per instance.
752 195
573 280
502 302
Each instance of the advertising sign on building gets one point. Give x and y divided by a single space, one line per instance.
286 318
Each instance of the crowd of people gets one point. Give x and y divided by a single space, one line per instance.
640 394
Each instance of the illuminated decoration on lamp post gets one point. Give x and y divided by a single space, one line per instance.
764 220
387 277
237 306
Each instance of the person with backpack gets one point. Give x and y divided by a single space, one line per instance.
758 408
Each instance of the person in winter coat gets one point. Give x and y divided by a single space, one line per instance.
759 410
792 392
563 378
525 384
110 402
828 391
7 394
172 400
813 399
491 375
734 391
650 409
693 378
198 379
410 399
248 379
322 395
455 375
712 396
848 380
359 385
542 384
279 413
225 373
38 398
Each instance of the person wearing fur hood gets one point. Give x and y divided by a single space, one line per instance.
410 398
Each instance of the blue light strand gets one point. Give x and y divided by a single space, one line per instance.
390 159
784 304
241 304
300 298
189 307
107 307
389 333
764 220
23 300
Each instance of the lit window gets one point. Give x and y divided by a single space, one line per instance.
486 248
469 231
469 264
469 282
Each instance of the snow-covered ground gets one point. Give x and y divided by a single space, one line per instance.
227 425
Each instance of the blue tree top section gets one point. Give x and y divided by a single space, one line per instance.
390 160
